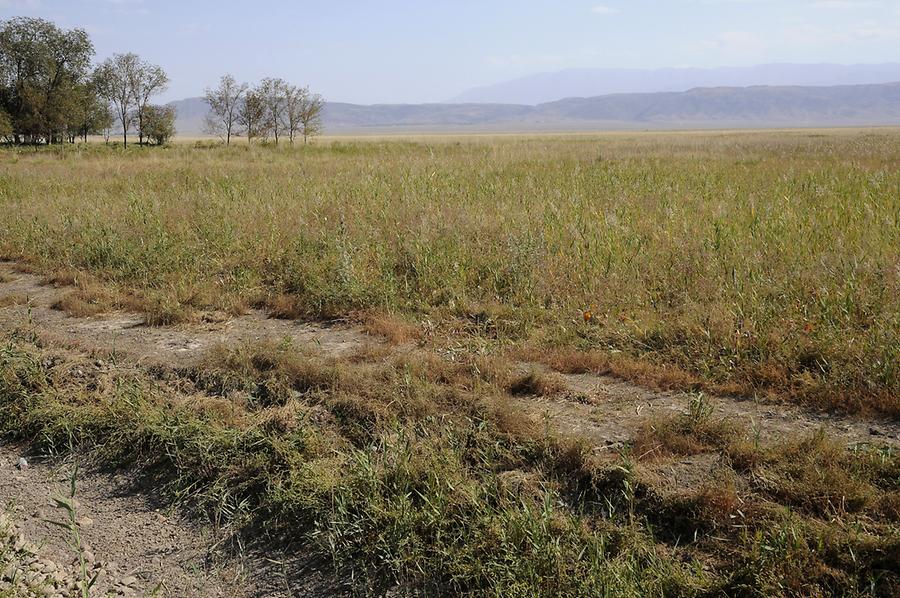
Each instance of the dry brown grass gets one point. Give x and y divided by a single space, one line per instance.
820 476
534 383
282 306
86 302
92 297
390 327
14 300
67 277
568 360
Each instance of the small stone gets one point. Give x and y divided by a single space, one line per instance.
129 581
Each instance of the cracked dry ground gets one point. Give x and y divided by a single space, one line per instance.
139 547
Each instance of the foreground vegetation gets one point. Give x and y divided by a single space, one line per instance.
758 263
428 480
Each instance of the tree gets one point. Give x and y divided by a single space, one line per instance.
159 123
6 130
114 79
147 80
251 114
224 107
294 102
92 116
272 92
41 68
311 116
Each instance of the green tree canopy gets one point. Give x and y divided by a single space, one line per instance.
42 68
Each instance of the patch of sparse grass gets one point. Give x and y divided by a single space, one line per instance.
693 432
14 300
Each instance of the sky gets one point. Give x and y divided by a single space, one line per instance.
432 50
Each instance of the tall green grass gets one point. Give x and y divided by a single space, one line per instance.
769 259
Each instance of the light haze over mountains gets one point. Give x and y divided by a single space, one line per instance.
582 83
775 95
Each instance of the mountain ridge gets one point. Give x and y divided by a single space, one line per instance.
589 82
702 107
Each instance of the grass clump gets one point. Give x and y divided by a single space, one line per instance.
691 433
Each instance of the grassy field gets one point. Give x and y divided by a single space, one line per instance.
758 263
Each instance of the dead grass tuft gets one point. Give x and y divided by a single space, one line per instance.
66 277
282 307
512 422
85 302
572 361
390 327
534 383
819 476
14 300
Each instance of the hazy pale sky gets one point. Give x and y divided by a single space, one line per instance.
430 50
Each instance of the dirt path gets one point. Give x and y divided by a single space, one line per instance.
134 546
608 411
182 345
604 410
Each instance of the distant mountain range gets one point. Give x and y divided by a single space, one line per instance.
584 83
718 107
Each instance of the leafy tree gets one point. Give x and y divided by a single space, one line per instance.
92 114
41 68
251 115
147 80
294 103
114 79
311 116
272 92
224 108
6 130
159 123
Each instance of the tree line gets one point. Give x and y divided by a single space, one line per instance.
51 92
270 110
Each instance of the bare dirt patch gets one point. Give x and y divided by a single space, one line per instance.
132 545
178 345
